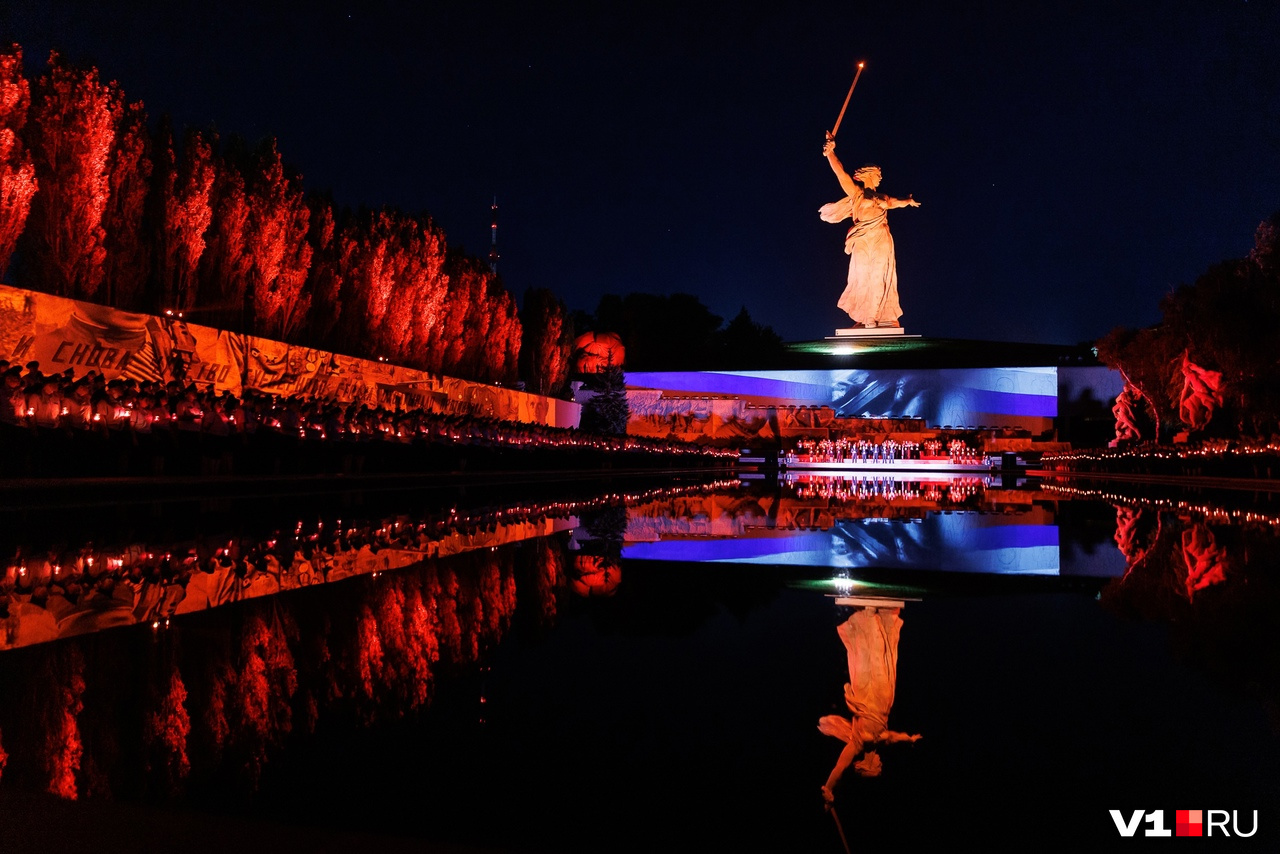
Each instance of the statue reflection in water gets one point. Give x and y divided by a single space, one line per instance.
870 639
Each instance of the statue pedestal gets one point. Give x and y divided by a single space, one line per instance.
881 602
877 332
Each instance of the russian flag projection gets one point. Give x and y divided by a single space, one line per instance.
939 396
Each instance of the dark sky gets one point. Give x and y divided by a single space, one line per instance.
1074 161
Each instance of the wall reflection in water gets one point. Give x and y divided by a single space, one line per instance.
213 687
224 689
214 691
963 524
71 589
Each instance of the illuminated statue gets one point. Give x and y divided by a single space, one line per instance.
1201 394
1125 409
871 640
871 295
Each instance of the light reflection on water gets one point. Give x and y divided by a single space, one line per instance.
210 702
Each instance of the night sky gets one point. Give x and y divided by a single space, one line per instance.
1074 161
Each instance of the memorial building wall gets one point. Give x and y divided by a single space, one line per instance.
64 334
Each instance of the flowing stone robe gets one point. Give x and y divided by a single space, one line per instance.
871 293
870 638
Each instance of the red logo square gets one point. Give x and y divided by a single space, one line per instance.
1189 822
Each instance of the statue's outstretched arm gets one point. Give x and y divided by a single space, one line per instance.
891 737
908 202
850 186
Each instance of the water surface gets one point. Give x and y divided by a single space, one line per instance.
638 665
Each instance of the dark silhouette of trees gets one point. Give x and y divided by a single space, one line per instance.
660 333
223 280
606 410
678 332
743 343
548 342
127 262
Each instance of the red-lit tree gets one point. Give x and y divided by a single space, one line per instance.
265 683
87 198
461 330
183 192
166 729
501 358
444 339
63 748
480 335
367 282
415 259
17 172
224 265
127 259
278 254
74 117
324 278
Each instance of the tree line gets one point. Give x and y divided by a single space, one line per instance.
97 204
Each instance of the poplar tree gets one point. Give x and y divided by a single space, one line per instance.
127 258
74 117
17 172
547 342
183 211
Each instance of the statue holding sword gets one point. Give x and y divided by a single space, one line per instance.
871 294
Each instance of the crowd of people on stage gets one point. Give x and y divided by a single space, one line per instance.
887 451
62 401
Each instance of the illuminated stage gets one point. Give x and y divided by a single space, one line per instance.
888 467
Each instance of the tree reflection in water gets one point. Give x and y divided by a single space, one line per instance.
159 713
54 593
224 689
1208 571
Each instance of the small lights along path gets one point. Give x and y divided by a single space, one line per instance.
1209 512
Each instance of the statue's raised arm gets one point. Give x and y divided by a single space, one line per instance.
846 183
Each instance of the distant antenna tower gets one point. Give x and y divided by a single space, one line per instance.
493 237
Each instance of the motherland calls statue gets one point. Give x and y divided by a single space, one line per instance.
871 295
870 638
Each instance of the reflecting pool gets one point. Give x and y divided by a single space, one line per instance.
812 664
